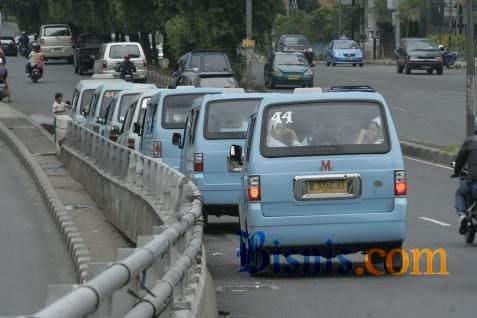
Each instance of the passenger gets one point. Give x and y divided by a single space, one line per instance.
373 134
281 136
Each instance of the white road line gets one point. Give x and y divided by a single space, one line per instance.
434 221
429 163
401 109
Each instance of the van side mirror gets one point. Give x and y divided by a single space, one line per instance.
137 128
176 140
235 158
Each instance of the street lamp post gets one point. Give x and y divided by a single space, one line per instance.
249 49
470 68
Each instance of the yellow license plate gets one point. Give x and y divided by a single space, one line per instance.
294 77
328 186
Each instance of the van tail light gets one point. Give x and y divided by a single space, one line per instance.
254 193
157 149
105 65
400 183
131 143
198 162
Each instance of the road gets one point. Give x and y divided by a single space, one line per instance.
33 255
429 108
334 295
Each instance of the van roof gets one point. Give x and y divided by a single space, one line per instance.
186 91
234 96
120 86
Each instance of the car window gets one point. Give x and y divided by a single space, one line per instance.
294 40
56 31
323 128
421 46
86 98
346 45
195 62
120 51
215 63
290 59
228 119
175 109
226 82
108 98
74 101
129 116
6 42
125 101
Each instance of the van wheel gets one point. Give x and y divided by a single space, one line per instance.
430 71
407 69
440 71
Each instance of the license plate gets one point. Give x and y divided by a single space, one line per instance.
327 186
294 77
57 50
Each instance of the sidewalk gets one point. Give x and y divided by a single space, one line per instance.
86 231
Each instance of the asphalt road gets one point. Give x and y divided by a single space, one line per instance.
348 295
32 253
429 108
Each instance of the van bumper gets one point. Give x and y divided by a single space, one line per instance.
217 194
51 52
364 230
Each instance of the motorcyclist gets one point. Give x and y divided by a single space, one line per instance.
467 156
126 67
36 60
3 77
2 54
24 40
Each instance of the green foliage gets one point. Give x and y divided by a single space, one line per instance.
457 41
383 14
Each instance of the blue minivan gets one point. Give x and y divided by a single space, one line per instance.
166 114
214 123
321 171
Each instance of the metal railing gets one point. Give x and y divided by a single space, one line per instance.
167 262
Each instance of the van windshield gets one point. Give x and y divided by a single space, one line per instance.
108 98
126 100
86 99
327 128
228 119
175 110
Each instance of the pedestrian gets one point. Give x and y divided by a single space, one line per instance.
58 105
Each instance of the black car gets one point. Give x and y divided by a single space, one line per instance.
418 54
297 43
86 48
9 46
202 61
206 79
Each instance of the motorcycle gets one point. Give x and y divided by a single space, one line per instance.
128 77
35 74
24 50
3 90
469 228
448 58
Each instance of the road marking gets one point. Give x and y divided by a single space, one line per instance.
401 109
434 221
429 163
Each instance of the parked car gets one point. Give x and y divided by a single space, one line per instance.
214 123
206 79
165 115
103 96
110 55
284 68
83 94
56 42
203 61
311 185
129 135
344 51
296 43
9 46
86 48
116 112
418 54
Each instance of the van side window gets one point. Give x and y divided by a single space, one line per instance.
75 101
151 116
251 126
129 116
193 128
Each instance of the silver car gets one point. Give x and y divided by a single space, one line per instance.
56 41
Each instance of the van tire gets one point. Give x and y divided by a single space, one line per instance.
407 69
70 60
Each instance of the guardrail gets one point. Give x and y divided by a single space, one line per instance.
163 273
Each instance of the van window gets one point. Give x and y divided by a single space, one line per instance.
129 116
86 98
120 51
215 63
74 101
56 31
108 98
327 128
195 62
126 100
175 109
228 119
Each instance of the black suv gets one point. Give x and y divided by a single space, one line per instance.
86 48
296 43
418 54
203 61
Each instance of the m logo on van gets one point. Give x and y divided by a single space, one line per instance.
326 165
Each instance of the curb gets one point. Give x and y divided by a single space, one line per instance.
73 239
427 153
160 79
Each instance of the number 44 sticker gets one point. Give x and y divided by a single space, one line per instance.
278 118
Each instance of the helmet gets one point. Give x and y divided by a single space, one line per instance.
23 32
1 60
35 46
441 46
127 56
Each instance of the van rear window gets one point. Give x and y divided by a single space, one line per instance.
228 119
326 128
126 100
175 109
56 31
120 51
